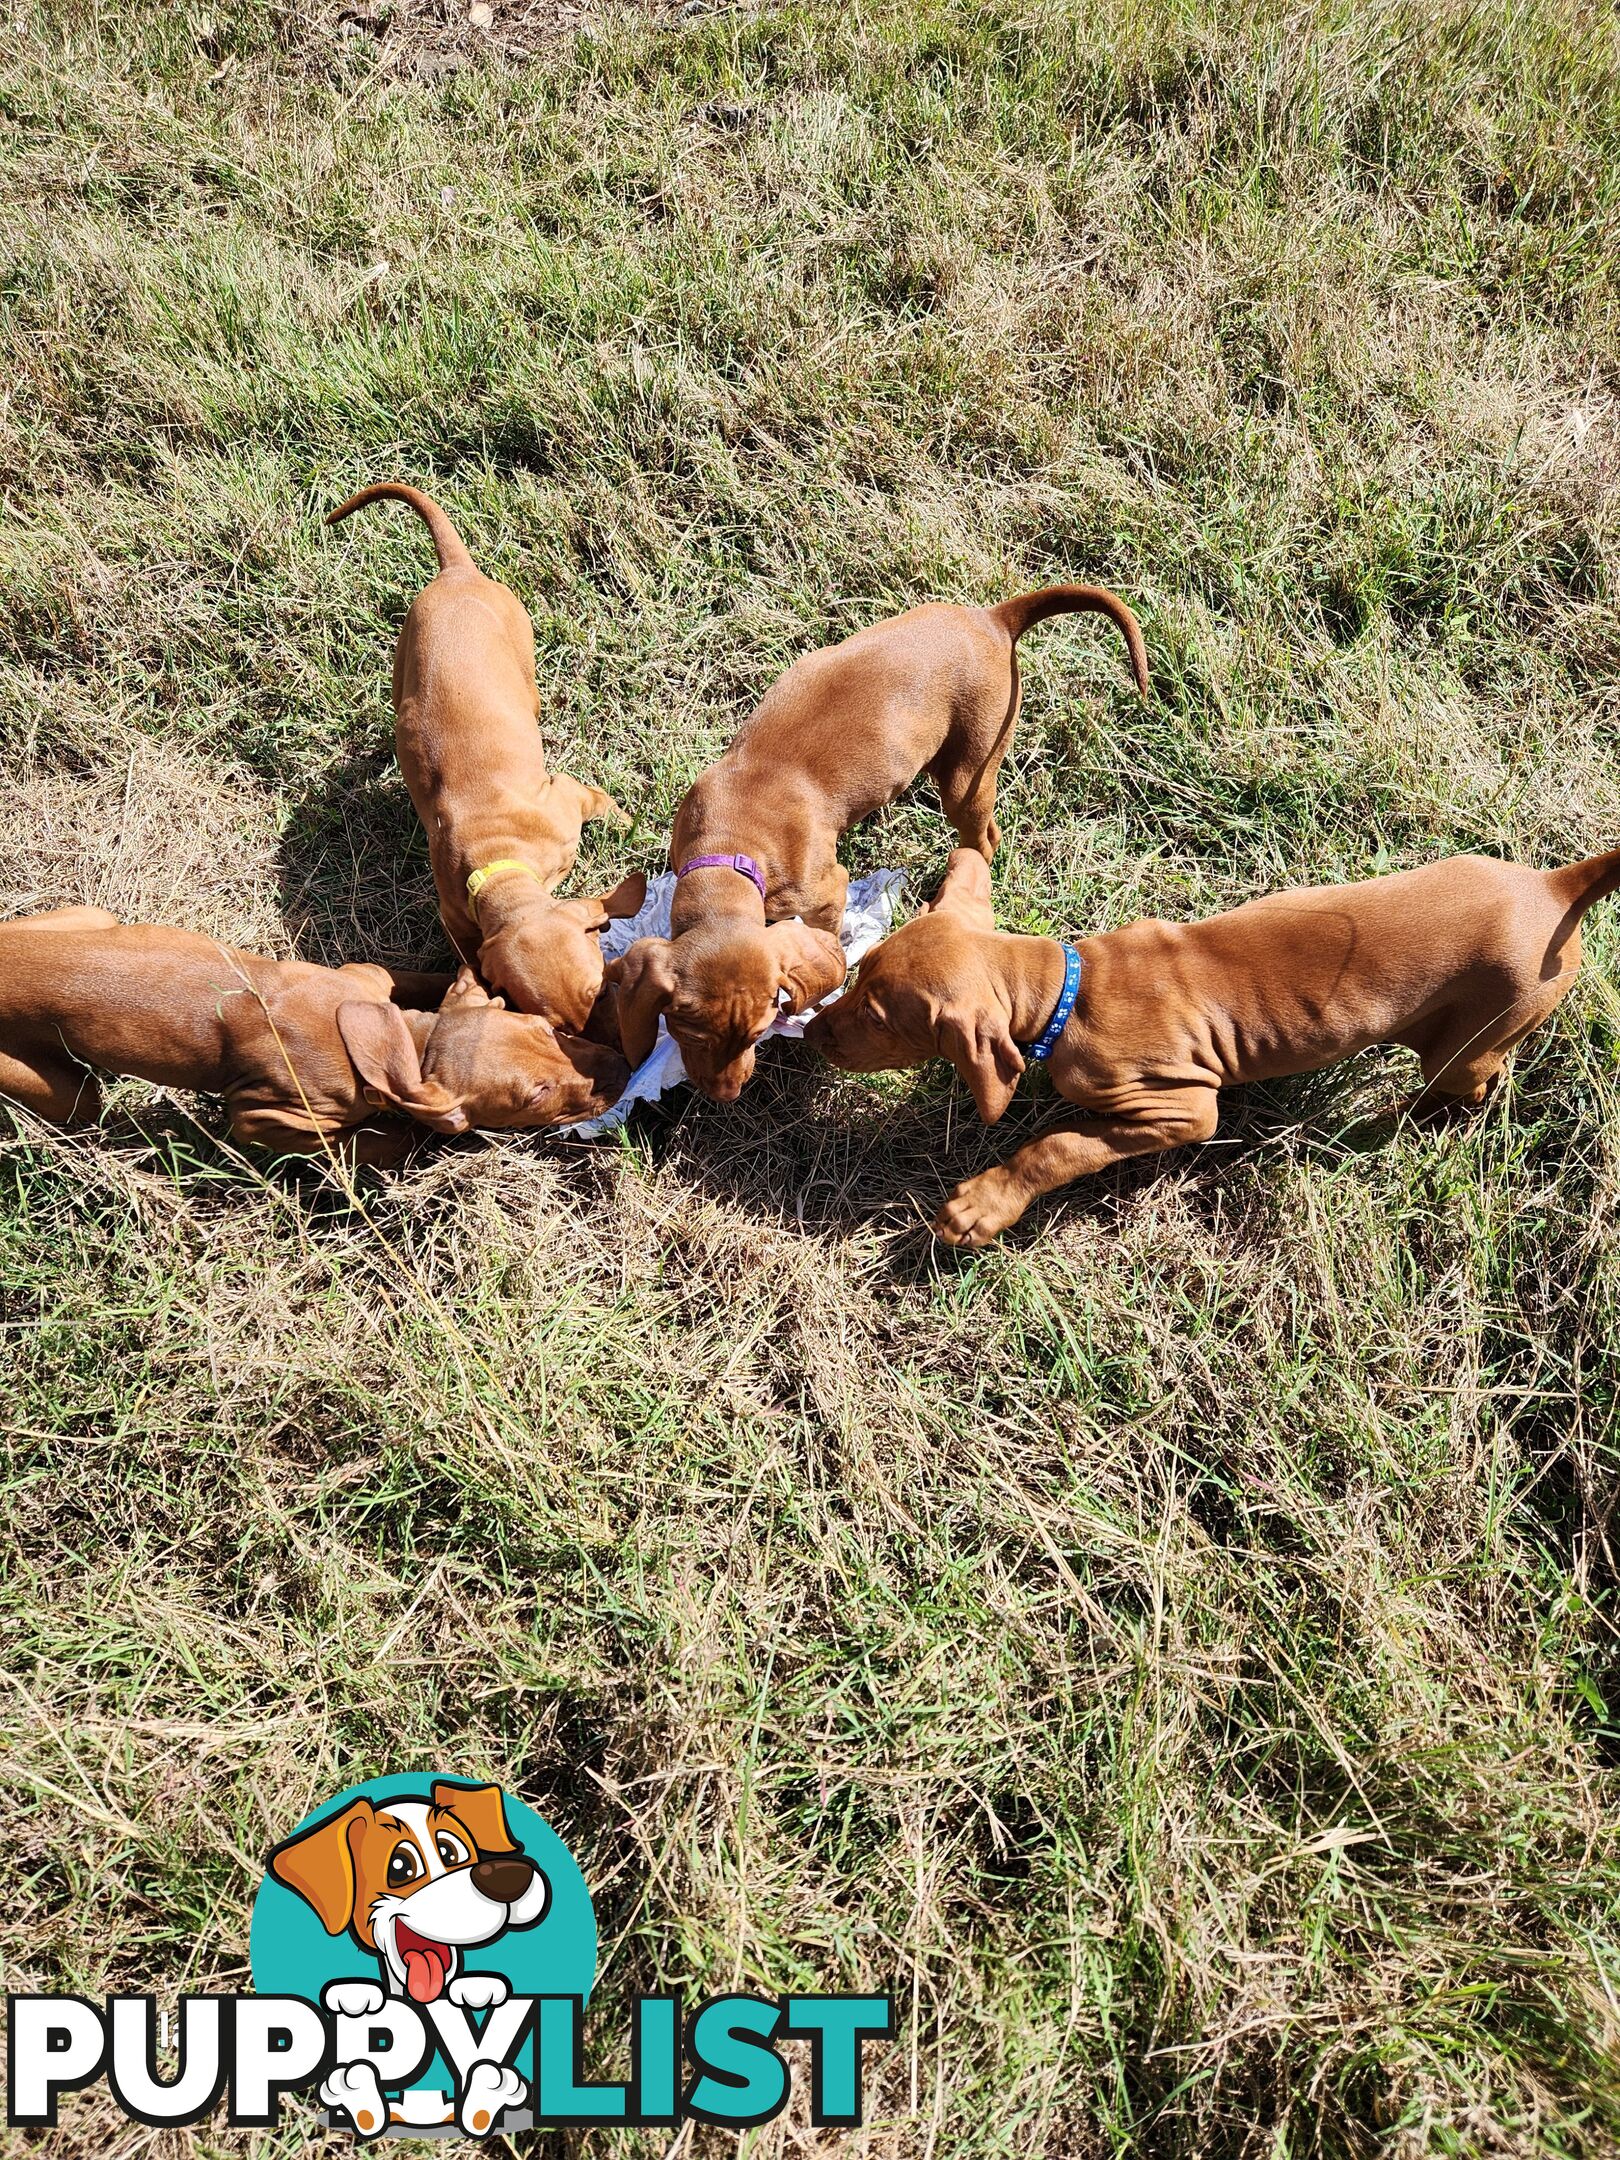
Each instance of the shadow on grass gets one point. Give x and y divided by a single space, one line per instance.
354 874
833 1152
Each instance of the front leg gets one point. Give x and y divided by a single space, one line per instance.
492 2088
356 2091
820 908
478 1991
982 1207
383 1144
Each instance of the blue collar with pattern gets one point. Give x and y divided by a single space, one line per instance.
1046 1042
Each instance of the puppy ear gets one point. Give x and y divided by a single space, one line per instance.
810 963
600 909
319 1864
382 1051
592 802
628 897
965 889
645 979
984 1053
478 1809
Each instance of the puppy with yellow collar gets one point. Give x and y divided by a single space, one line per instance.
502 831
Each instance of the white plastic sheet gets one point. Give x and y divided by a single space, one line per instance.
868 917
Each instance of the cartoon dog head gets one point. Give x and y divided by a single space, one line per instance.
416 1881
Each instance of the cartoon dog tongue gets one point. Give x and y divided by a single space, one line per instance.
427 1964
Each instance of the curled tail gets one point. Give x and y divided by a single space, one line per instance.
1015 617
1580 884
452 552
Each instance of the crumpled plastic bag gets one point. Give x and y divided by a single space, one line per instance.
868 918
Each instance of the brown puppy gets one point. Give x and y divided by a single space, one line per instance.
1457 961
843 732
304 1056
502 831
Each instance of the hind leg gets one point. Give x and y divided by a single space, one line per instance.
62 1093
966 769
1462 1060
969 801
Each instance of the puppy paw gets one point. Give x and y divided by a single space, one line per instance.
490 2090
478 1991
354 2091
353 1998
977 1212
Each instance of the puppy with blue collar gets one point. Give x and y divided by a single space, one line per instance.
1143 1026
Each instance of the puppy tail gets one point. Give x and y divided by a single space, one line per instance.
1580 884
452 552
1017 615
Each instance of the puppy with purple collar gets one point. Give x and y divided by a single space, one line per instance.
754 922
1143 1026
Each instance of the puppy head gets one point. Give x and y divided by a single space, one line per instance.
718 988
416 1880
545 955
513 1071
920 995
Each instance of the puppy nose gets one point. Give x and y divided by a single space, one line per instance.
504 1880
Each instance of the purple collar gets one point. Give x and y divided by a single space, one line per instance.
744 865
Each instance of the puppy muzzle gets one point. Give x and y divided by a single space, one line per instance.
503 1878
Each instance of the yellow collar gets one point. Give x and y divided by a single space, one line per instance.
480 878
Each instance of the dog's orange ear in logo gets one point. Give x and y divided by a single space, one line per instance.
319 1864
478 1808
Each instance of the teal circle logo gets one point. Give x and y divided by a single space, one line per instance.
417 1889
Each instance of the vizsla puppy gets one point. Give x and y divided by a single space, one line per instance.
304 1056
502 831
1144 1026
843 732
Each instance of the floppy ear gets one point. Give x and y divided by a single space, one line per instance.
645 980
600 909
984 1053
965 889
594 802
628 897
810 963
319 1864
478 1809
383 1052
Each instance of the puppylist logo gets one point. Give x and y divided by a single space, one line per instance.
422 1952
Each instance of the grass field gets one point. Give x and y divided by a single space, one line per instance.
1173 1651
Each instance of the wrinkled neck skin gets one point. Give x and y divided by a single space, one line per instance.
542 831
513 906
1029 981
716 898
421 1026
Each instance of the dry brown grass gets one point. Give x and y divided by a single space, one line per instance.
1172 1651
